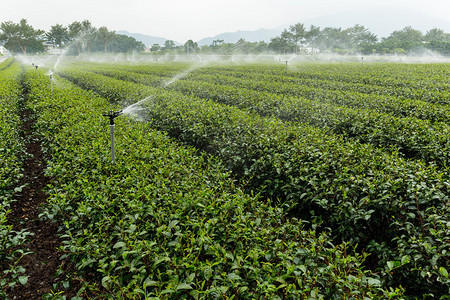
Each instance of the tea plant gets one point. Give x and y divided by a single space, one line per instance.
371 198
11 154
166 221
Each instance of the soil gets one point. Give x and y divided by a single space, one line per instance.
44 261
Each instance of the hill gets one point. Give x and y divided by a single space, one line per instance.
148 40
250 36
381 22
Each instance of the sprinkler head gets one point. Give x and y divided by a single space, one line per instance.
111 115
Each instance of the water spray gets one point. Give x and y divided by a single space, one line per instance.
112 115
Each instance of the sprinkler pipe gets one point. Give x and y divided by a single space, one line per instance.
112 115
51 82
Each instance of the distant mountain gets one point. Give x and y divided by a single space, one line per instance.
381 22
249 36
147 40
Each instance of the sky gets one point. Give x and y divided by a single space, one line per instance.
181 20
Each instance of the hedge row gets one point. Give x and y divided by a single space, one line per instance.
425 82
333 92
167 222
354 95
11 155
413 138
395 209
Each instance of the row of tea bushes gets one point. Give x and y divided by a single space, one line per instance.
330 92
397 210
11 155
425 82
413 138
168 222
317 90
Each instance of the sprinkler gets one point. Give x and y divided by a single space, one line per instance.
286 66
51 82
112 115
36 66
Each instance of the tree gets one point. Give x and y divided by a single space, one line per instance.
437 34
260 47
312 35
58 35
190 47
297 33
330 38
155 47
279 44
123 43
217 42
104 36
442 47
358 35
74 32
169 45
241 47
17 37
88 34
407 39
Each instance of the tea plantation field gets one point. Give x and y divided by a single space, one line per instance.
236 181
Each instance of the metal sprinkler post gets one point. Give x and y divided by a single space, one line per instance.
51 82
286 66
111 115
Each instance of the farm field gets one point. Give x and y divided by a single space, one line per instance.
234 181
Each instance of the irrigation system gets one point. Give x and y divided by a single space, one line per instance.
36 66
51 82
112 115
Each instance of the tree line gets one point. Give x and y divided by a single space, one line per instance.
298 39
358 39
82 37
76 38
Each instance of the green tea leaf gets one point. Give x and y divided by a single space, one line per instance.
23 279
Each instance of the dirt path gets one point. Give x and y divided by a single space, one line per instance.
44 261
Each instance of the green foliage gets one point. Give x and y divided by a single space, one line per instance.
11 153
396 209
123 44
166 221
343 112
20 37
358 39
58 35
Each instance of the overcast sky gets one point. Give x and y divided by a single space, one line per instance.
181 20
